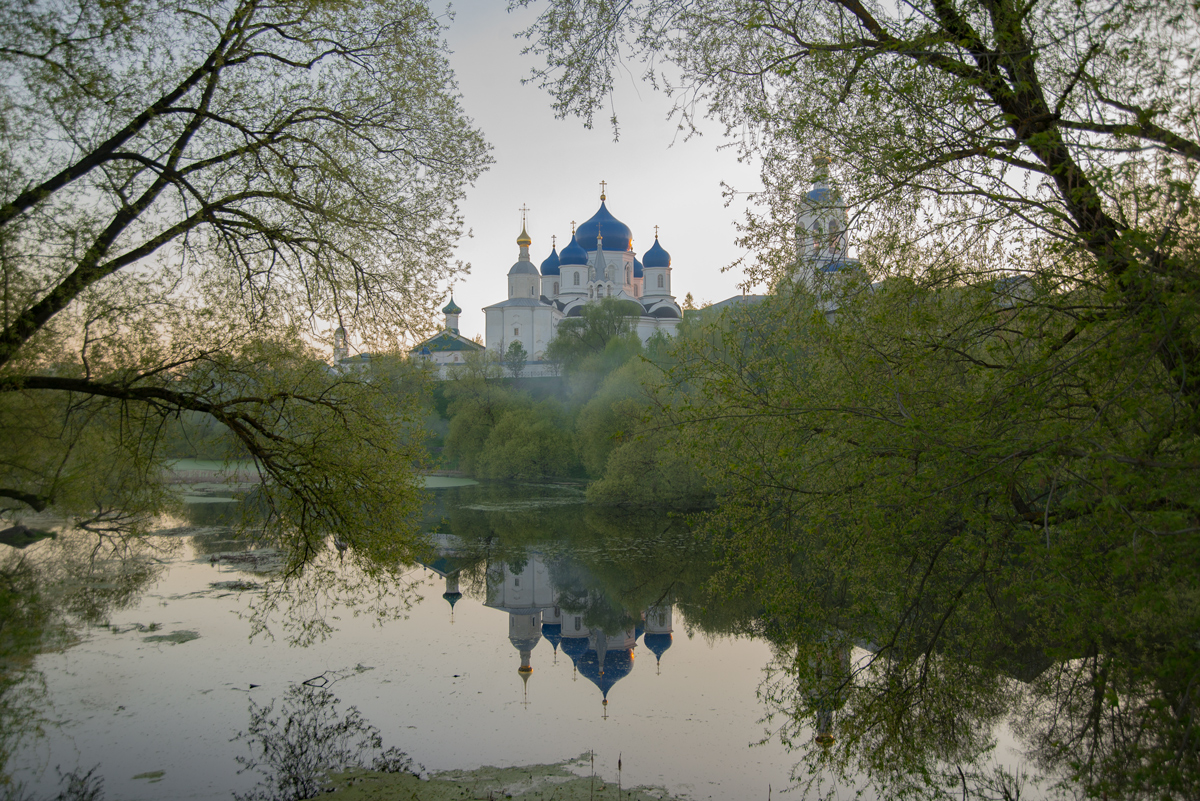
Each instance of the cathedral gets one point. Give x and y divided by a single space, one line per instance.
598 263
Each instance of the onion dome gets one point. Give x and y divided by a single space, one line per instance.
617 235
574 647
452 598
550 265
821 194
637 269
451 307
573 254
553 634
523 240
656 256
658 643
606 671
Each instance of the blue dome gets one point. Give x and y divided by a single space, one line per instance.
637 269
553 633
452 598
574 647
573 254
617 665
656 256
615 233
822 194
658 643
550 265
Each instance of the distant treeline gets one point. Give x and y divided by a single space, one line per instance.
596 421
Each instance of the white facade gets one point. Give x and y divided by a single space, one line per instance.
598 263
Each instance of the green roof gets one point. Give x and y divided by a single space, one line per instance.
446 342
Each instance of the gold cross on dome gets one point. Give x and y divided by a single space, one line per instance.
572 228
603 184
656 232
553 241
523 210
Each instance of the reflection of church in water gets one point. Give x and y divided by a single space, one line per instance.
530 598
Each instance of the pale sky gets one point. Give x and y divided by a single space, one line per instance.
554 167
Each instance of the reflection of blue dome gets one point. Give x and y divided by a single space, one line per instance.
553 633
617 235
656 256
451 307
573 254
658 643
452 598
637 269
638 630
617 664
574 647
550 265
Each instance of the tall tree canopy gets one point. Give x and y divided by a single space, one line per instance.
189 191
984 466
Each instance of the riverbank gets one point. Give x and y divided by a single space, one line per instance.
560 782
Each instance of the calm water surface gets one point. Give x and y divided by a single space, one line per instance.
535 610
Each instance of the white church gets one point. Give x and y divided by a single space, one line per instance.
598 263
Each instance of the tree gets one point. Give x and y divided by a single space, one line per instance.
993 453
188 193
591 346
929 473
949 121
577 338
514 359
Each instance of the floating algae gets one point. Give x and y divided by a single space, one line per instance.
528 783
175 637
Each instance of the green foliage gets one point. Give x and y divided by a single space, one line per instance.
529 441
983 476
626 447
931 471
188 194
580 343
515 358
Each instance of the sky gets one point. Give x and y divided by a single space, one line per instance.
554 168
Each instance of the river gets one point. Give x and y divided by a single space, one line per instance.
629 656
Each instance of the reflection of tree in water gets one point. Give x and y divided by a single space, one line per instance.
45 592
24 622
295 749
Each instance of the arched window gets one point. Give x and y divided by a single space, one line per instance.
576 278
660 280
610 291
555 287
531 290
590 292
628 277
516 332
